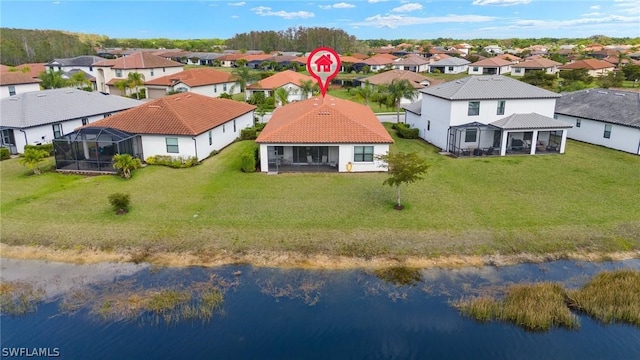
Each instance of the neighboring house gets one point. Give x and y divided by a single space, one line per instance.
84 63
608 118
203 81
415 63
288 79
416 80
181 125
490 66
12 83
323 134
40 116
145 63
488 115
450 65
594 67
230 60
32 69
203 58
510 58
493 49
537 64
376 63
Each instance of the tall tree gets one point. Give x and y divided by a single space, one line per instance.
404 168
244 75
79 80
52 80
135 79
398 90
612 79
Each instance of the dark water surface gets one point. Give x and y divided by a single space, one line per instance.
297 314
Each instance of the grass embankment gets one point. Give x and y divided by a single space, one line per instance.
583 201
609 297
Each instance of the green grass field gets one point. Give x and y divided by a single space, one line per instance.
586 199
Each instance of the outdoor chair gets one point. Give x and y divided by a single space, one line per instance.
489 151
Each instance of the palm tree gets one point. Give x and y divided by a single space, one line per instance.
308 87
32 158
282 94
135 79
52 80
365 92
398 90
244 76
125 163
122 85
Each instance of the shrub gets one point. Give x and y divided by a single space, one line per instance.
119 201
407 133
46 147
248 133
174 162
398 126
248 160
214 153
4 154
225 95
260 126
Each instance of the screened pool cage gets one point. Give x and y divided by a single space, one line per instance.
92 149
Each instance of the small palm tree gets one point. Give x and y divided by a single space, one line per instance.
398 90
365 92
122 86
125 163
308 87
282 94
136 79
32 158
244 76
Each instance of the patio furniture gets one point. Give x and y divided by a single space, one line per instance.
540 146
477 152
552 147
517 145
489 151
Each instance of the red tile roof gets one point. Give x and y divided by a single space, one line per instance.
491 62
323 121
139 60
194 77
537 63
280 79
34 69
16 77
590 64
414 78
380 59
349 59
181 114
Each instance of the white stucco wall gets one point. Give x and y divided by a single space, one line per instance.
488 109
19 88
622 138
438 111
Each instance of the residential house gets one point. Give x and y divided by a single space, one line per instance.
68 66
323 134
150 66
288 79
230 60
493 49
376 63
535 64
510 58
450 65
416 80
594 67
181 125
603 117
415 63
203 58
492 115
204 81
40 116
15 82
32 69
490 66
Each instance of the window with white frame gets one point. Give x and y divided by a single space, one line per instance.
118 72
172 145
607 131
85 121
474 108
578 122
475 69
363 153
470 135
234 125
57 130
224 87
12 90
517 70
215 88
210 137
450 68
501 104
428 125
151 72
224 128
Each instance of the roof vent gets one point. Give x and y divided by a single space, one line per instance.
483 79
602 92
41 95
620 94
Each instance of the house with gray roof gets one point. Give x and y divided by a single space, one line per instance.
38 117
450 65
488 115
70 66
603 117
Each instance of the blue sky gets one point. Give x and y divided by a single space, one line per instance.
366 19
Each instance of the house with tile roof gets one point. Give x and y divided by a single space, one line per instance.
415 63
604 117
15 82
376 63
181 125
143 62
40 116
450 65
594 67
288 79
490 66
418 81
490 115
323 134
68 66
535 64
32 69
203 81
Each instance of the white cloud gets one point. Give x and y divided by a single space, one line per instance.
593 14
595 7
407 8
630 6
266 11
234 16
341 5
500 2
393 21
56 2
241 3
376 1
559 24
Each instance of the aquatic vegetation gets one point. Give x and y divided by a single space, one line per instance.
611 296
400 275
20 298
305 288
536 307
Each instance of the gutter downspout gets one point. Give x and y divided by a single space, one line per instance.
195 146
26 142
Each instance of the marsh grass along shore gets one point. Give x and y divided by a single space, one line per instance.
582 202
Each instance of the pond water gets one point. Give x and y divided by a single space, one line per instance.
272 313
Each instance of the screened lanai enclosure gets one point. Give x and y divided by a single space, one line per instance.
91 149
303 158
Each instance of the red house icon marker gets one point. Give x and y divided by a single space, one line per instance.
323 64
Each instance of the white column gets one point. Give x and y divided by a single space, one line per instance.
503 143
534 141
564 141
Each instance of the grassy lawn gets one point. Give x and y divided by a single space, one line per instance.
586 199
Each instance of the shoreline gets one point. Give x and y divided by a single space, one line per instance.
297 260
